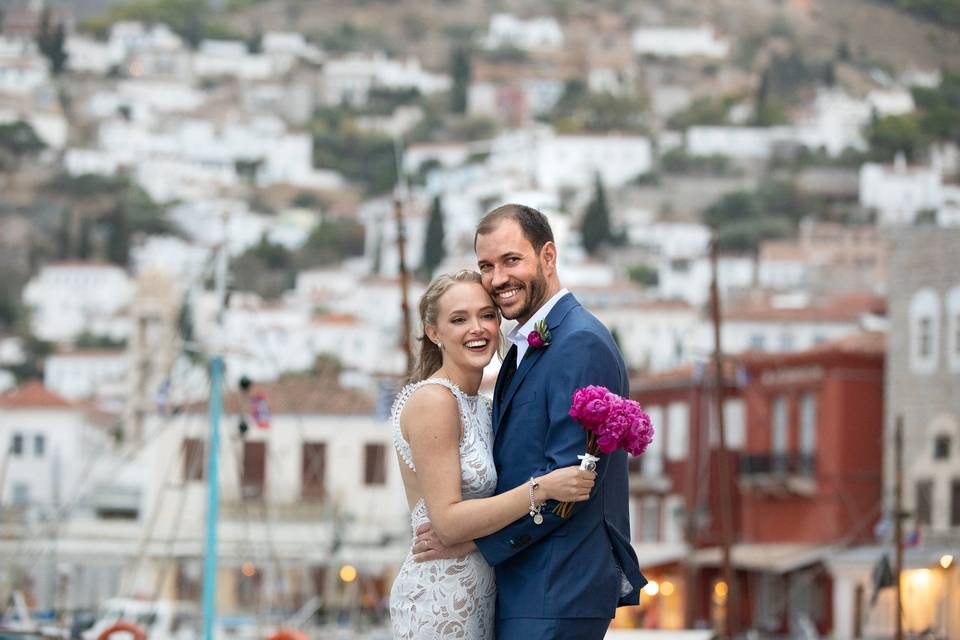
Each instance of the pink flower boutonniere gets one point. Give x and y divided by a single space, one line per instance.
540 336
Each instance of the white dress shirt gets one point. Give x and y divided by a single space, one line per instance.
519 334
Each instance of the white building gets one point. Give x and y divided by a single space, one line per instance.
899 192
553 161
736 142
350 78
62 482
86 55
231 58
22 69
671 239
535 34
70 298
653 336
793 323
317 489
182 261
680 42
891 102
688 278
187 158
86 373
835 122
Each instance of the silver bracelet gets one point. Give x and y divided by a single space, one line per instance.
534 507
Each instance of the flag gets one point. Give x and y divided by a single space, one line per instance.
162 397
259 410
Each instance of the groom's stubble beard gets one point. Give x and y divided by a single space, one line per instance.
536 296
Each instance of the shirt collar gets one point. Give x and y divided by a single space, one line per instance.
519 334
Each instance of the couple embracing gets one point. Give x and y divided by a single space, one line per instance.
490 558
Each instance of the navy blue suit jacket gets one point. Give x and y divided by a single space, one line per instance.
562 568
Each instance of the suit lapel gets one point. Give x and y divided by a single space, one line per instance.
530 358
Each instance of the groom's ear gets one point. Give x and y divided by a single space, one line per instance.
548 254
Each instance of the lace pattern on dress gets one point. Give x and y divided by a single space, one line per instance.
448 598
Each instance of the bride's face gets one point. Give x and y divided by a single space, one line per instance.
468 326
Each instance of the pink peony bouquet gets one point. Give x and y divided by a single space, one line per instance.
612 422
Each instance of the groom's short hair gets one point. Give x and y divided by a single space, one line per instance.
535 226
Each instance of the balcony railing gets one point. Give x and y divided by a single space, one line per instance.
793 463
778 473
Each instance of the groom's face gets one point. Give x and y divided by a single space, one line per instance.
511 271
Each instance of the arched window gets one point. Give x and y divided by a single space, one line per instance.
924 331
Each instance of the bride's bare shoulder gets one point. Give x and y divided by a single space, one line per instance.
430 407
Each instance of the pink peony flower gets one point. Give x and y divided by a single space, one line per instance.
617 423
590 406
535 340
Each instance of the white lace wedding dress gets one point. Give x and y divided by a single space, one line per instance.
444 599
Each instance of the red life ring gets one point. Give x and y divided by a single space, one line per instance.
289 634
120 625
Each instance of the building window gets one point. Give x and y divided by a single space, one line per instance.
779 433
21 495
758 342
941 448
808 423
955 503
924 501
249 581
193 460
924 331
314 459
16 445
39 445
650 519
254 469
924 337
374 464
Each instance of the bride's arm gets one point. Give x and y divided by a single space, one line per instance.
431 422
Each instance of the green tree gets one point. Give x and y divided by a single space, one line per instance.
461 80
891 135
18 140
433 250
118 244
51 40
595 230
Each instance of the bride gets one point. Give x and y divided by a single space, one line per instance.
443 436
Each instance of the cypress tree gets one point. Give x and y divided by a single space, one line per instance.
433 249
595 230
461 80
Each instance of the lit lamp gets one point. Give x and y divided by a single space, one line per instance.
348 573
946 560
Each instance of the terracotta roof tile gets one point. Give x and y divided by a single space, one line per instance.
33 395
299 395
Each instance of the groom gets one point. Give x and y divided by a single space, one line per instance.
560 578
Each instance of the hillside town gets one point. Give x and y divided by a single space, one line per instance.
276 181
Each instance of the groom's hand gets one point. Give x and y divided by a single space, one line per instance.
427 546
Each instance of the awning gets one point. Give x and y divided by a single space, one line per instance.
655 554
773 558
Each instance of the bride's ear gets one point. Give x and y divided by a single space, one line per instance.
431 333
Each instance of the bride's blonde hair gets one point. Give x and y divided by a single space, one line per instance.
430 357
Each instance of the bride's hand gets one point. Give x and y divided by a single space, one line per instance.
568 484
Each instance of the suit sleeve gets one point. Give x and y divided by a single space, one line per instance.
590 361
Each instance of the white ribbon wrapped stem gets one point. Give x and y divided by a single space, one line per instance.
588 462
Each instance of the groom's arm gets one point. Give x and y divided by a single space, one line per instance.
594 363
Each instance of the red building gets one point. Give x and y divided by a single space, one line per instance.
805 434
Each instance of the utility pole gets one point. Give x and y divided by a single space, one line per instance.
726 503
399 194
898 521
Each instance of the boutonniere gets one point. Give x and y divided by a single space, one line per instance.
540 336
